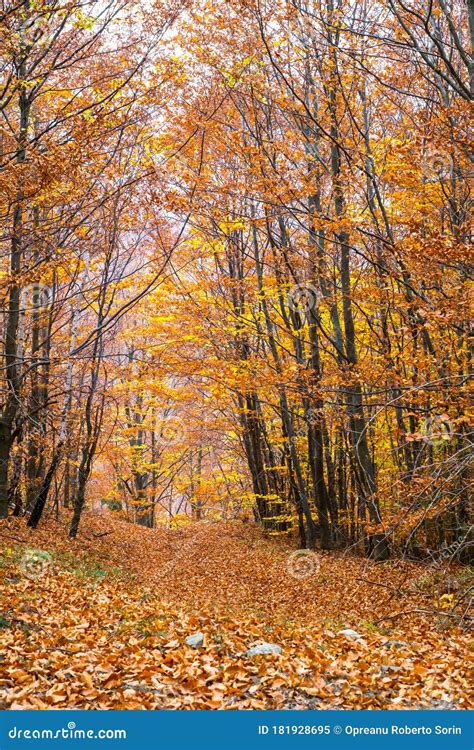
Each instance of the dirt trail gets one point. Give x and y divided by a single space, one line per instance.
106 624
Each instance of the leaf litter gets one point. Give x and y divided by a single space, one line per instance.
105 626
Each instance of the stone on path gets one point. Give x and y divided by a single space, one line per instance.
353 635
264 648
195 641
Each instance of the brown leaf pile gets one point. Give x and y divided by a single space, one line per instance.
105 627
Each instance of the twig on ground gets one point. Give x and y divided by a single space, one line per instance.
11 536
439 612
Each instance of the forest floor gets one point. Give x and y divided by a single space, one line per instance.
101 622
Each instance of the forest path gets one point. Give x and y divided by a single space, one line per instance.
108 615
231 567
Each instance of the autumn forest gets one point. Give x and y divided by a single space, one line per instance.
236 351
